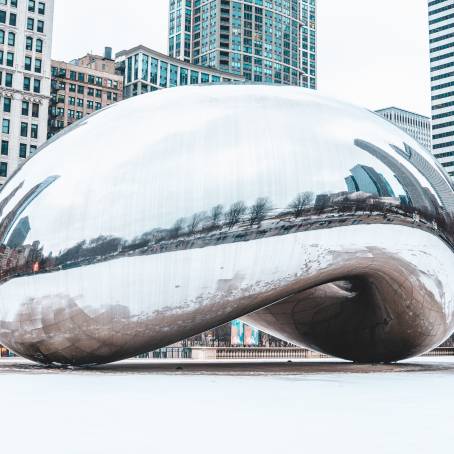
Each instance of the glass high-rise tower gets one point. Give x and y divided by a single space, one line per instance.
271 41
441 28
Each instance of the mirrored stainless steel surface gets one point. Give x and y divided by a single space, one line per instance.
180 210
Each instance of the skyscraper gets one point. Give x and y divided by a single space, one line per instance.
417 126
441 28
26 38
270 41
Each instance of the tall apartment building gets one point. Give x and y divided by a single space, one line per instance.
82 87
417 126
146 70
272 41
441 29
25 53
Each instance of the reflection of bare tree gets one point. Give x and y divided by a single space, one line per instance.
216 215
234 214
258 211
300 202
177 228
195 221
205 229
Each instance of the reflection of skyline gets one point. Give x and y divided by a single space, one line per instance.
441 183
19 233
418 197
370 198
9 220
366 179
303 214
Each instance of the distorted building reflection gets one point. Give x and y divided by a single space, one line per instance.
323 227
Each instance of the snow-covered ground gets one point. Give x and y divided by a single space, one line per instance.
122 411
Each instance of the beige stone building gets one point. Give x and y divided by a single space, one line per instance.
81 87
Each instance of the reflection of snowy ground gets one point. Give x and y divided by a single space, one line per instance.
329 412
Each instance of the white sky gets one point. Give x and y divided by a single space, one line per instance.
370 53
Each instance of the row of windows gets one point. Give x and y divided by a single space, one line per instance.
442 57
444 134
440 87
444 155
11 38
25 109
443 125
81 90
83 77
442 28
440 10
442 76
72 113
407 121
22 150
12 18
444 46
9 61
30 22
441 19
31 25
38 44
443 115
442 106
441 38
443 145
27 84
436 2
13 3
443 66
39 7
24 128
443 95
158 72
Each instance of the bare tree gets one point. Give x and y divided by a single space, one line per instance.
258 211
301 201
195 221
216 214
234 214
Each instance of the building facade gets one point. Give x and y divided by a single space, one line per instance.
25 53
146 70
271 41
441 29
417 126
82 87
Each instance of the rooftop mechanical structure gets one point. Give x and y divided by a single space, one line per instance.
171 213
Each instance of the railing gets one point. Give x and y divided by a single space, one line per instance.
266 353
226 353
441 351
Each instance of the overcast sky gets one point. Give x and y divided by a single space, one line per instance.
370 53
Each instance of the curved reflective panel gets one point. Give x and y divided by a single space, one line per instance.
177 211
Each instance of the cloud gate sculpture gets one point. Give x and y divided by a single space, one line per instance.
177 211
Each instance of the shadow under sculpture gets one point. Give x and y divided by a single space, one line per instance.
315 221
